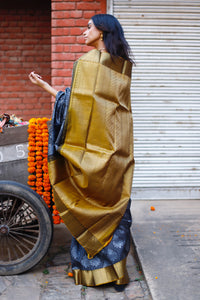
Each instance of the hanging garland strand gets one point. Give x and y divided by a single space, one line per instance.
38 179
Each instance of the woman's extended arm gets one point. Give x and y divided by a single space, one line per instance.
37 79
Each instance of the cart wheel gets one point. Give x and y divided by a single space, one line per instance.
26 228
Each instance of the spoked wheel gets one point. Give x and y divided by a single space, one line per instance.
26 228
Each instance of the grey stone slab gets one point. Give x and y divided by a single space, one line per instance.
56 285
134 290
23 287
94 293
2 285
5 283
167 241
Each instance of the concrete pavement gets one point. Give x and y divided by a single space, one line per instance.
166 245
167 242
49 280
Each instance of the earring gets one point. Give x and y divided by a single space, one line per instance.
101 36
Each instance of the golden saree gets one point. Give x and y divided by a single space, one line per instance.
92 175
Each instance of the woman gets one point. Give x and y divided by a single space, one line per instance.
91 155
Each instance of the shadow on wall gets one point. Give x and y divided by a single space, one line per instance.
25 40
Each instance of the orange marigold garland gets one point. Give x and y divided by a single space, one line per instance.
46 181
39 159
38 179
31 154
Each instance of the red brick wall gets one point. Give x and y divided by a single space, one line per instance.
69 20
25 45
32 37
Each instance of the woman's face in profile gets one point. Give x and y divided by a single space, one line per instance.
92 35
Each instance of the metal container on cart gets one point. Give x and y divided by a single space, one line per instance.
26 226
13 154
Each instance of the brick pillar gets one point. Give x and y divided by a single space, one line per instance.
69 20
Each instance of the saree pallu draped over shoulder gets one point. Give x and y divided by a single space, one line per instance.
91 168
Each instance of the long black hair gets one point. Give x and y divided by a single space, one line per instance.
113 36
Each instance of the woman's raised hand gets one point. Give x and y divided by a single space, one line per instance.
36 78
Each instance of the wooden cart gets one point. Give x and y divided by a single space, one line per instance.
26 226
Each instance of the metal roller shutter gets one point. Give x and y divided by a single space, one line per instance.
165 39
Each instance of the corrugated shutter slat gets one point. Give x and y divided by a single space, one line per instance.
165 39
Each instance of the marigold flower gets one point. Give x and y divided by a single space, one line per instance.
44 126
45 120
39 153
31 164
39 192
153 208
31 154
47 194
39 178
38 148
39 175
31 148
31 137
32 120
38 131
46 176
47 199
30 130
31 126
31 177
31 159
31 170
56 219
38 157
46 183
45 169
32 183
47 188
39 164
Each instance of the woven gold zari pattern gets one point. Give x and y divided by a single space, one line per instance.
116 273
93 176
